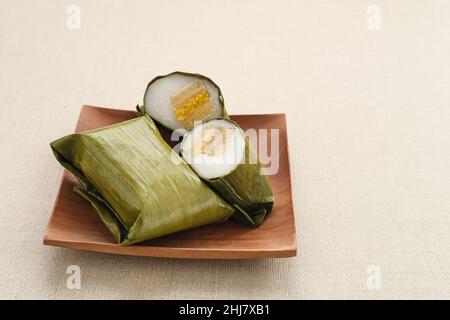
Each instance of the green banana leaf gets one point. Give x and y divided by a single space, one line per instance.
247 189
140 188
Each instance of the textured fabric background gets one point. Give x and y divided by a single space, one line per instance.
369 131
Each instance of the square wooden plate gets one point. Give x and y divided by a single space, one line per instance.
75 224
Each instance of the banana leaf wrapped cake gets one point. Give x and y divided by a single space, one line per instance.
219 153
140 188
215 147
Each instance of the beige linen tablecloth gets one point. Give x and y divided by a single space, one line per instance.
366 89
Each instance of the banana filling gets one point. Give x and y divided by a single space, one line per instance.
213 141
214 148
192 103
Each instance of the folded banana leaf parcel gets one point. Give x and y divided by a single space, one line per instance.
140 188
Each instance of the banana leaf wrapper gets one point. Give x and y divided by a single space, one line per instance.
247 189
139 187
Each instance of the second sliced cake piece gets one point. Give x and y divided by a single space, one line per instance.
218 151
